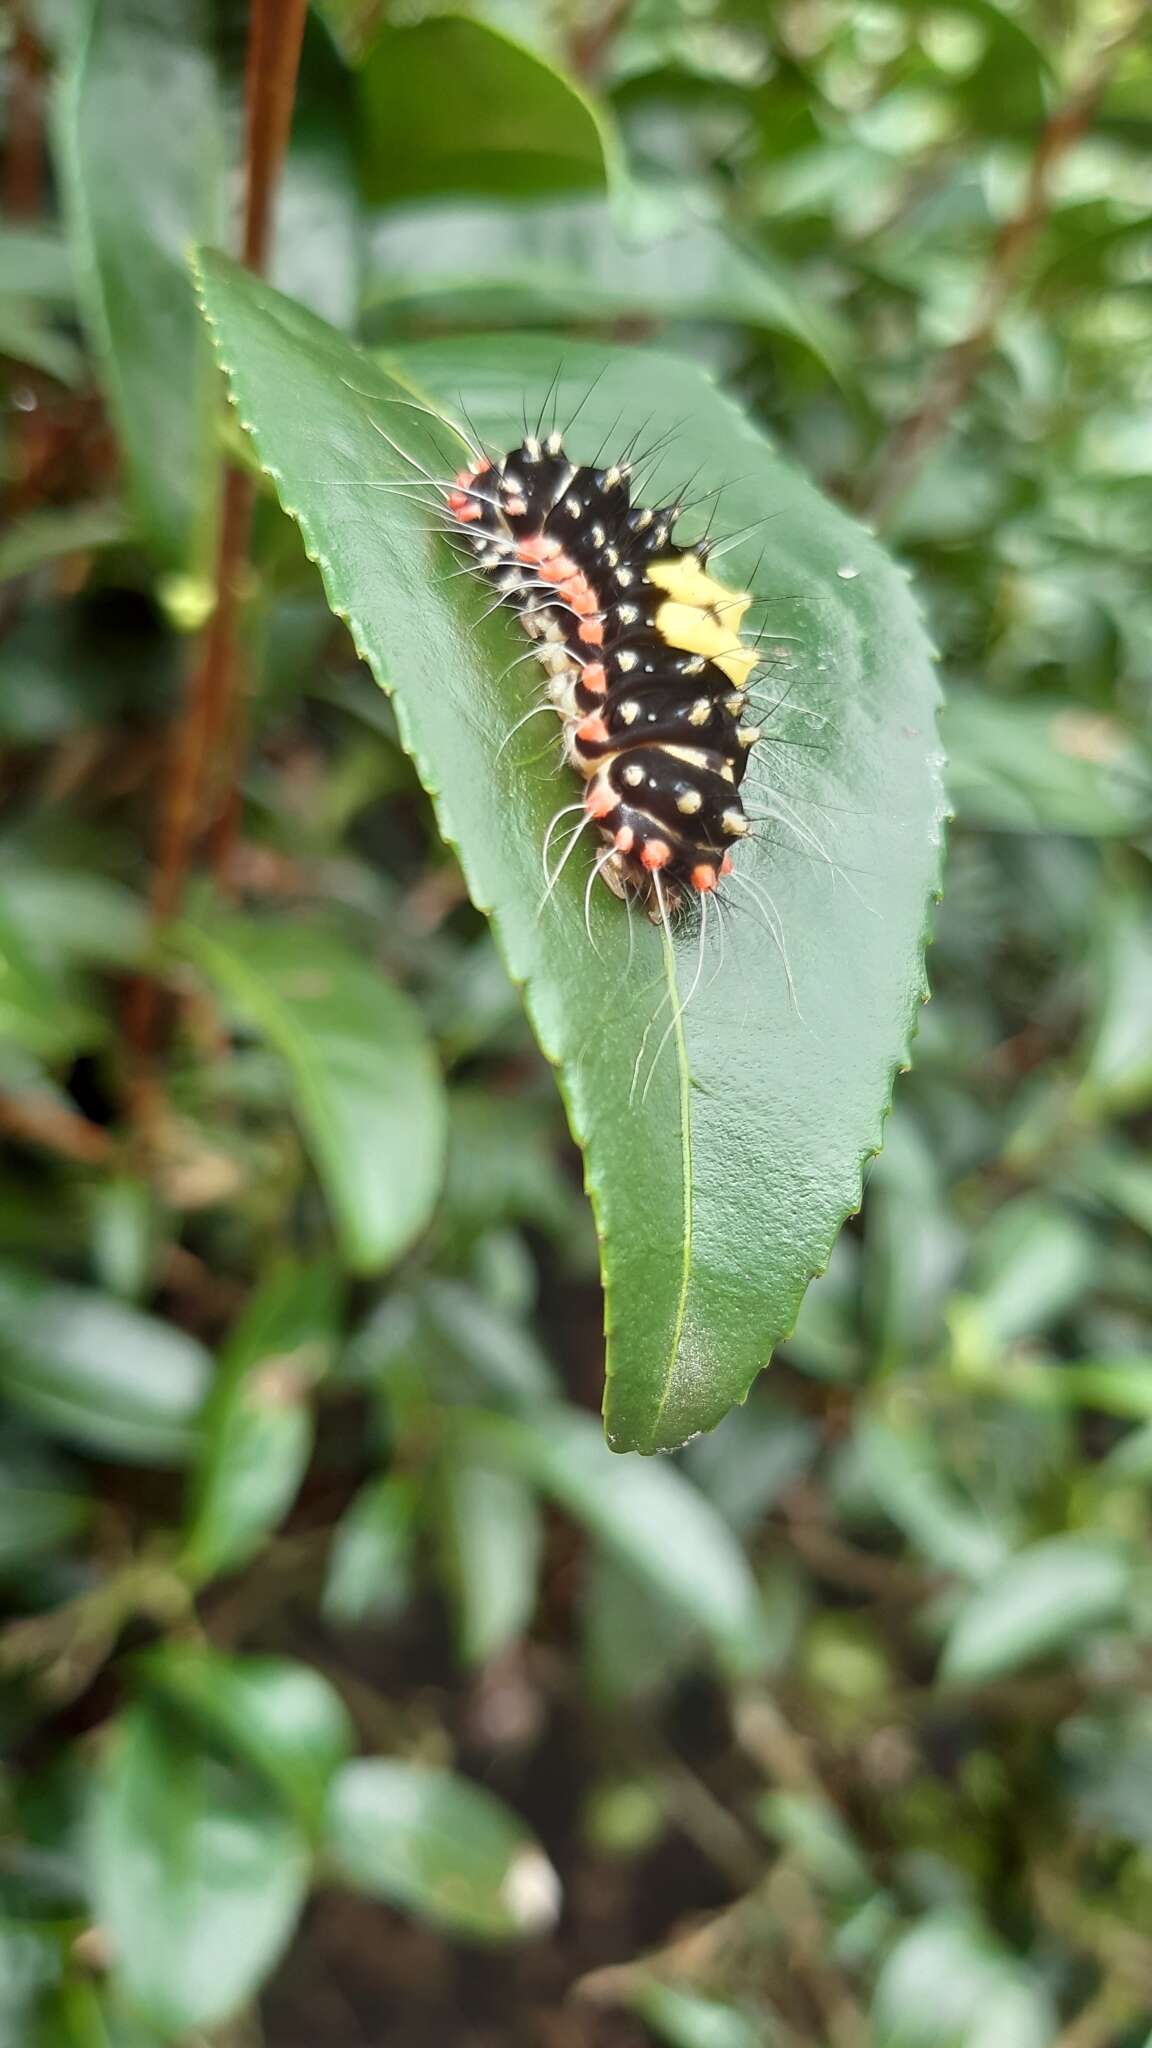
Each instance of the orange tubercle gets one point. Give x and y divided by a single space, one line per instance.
726 864
594 678
592 731
656 854
704 879
591 632
625 839
600 800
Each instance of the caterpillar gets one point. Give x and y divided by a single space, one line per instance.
643 656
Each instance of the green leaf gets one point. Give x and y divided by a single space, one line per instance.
635 1642
649 1517
281 1719
1044 1599
68 916
947 1984
367 1090
36 263
39 1011
569 260
682 2019
47 536
257 1434
1043 765
118 1383
493 1538
903 1468
721 1176
424 88
370 1568
444 1849
482 1342
198 1873
353 25
1118 1067
1030 1265
28 336
141 158
40 1511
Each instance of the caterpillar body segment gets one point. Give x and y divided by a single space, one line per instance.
642 652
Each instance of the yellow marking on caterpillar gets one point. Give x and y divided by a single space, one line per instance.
685 581
699 632
702 616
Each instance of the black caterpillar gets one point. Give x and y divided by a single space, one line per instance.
643 655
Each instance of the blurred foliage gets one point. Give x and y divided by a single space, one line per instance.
320 1582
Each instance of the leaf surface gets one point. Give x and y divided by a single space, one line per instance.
198 1873
723 1148
1044 1599
97 1373
142 160
446 1849
257 1433
365 1085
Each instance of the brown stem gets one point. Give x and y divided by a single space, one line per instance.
40 1119
23 180
203 760
590 46
275 35
958 367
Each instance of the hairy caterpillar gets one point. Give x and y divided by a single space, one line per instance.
643 655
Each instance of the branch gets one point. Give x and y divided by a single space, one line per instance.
22 186
203 765
959 366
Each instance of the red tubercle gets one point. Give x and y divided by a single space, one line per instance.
704 879
726 864
600 800
592 731
625 839
656 854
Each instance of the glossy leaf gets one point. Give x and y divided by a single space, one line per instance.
42 538
948 1984
1032 1262
902 1469
651 1518
116 1382
353 25
198 1873
40 1510
683 2019
257 1433
29 336
444 1849
142 159
1034 766
370 1567
41 1013
279 1718
721 1176
569 260
424 87
365 1085
493 1538
1118 1069
1044 1599
36 263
